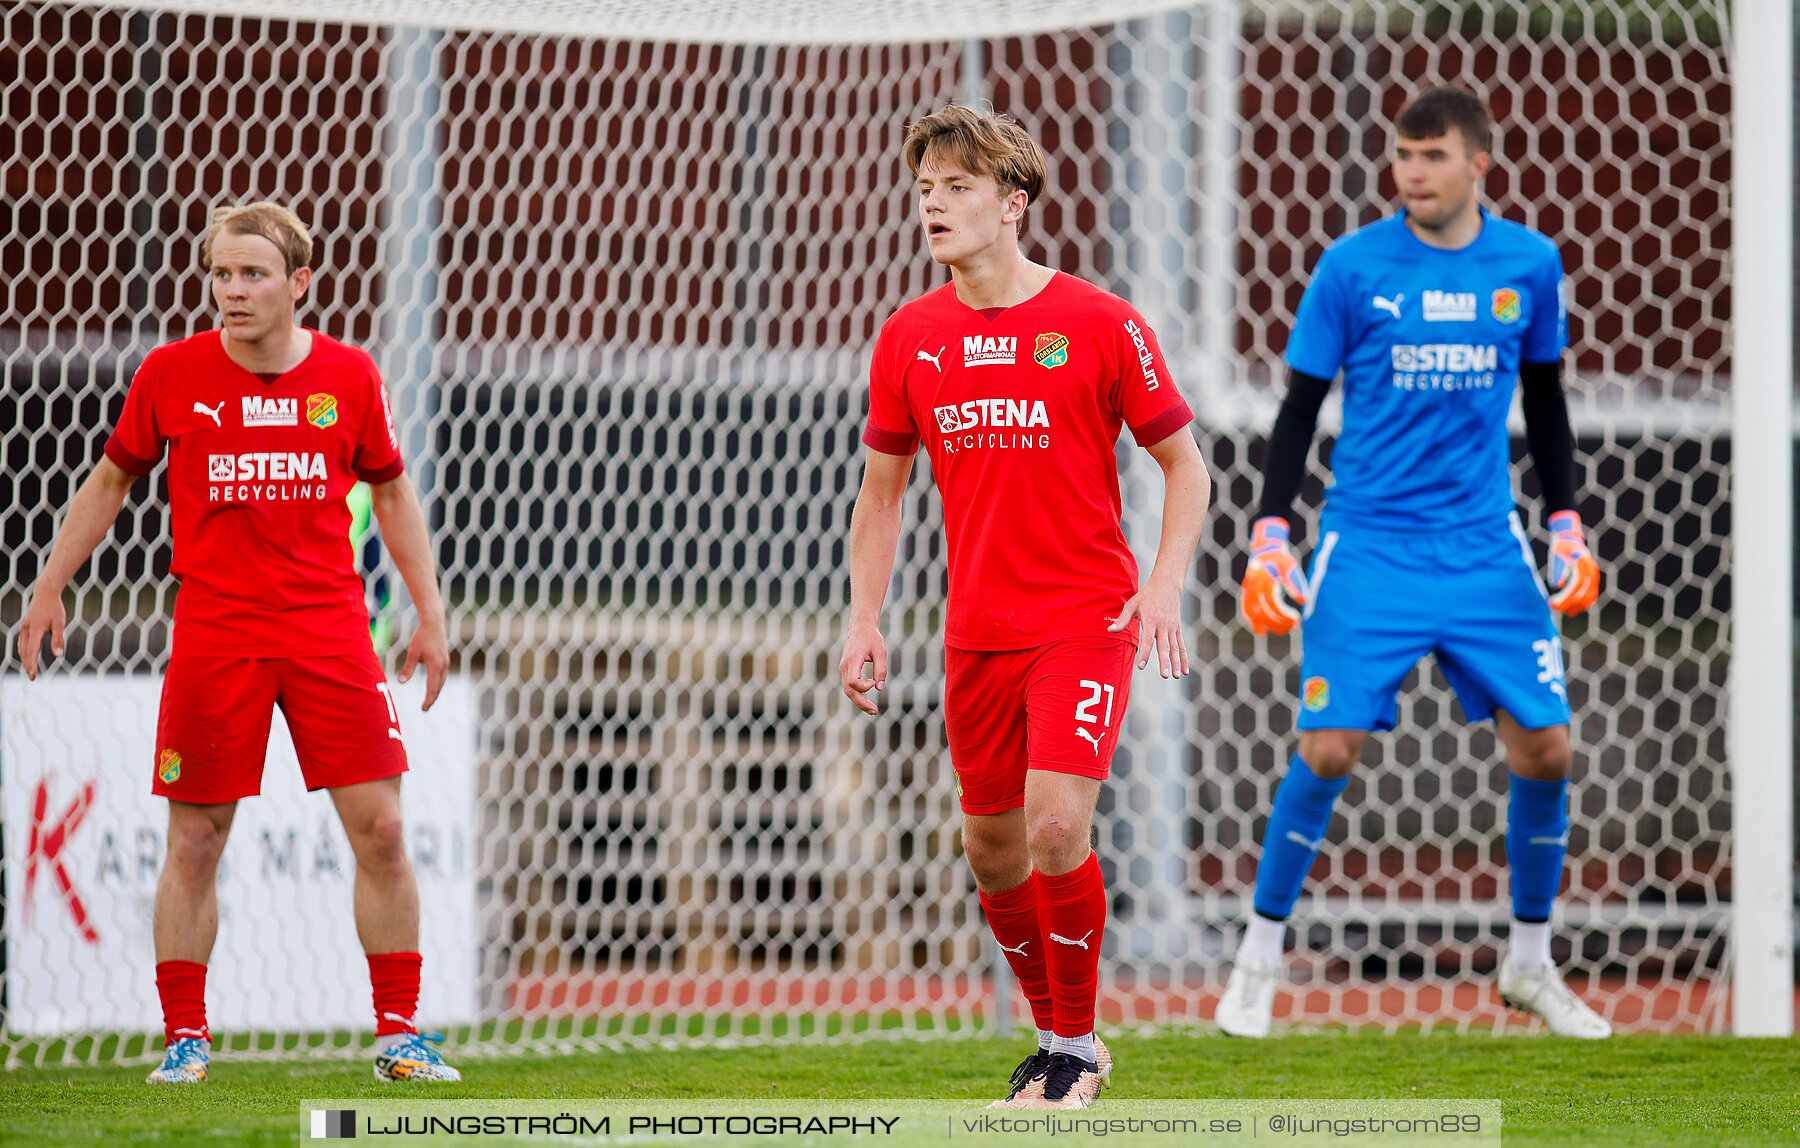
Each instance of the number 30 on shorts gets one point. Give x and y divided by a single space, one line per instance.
1550 664
1084 710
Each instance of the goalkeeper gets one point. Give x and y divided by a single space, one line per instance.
1432 315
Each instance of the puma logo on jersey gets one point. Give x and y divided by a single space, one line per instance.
1081 944
1301 841
211 412
1079 732
928 357
1018 952
1391 306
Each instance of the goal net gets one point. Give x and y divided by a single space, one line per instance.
622 287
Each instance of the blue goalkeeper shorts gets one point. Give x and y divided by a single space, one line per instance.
1380 600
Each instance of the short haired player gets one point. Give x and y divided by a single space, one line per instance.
267 426
1018 379
1433 315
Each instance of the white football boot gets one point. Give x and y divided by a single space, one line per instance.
1249 1001
1544 994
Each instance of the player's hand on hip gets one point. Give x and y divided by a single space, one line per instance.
431 646
44 615
863 647
1574 575
1273 591
1158 611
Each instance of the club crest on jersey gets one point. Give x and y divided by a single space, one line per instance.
1507 305
1316 694
987 350
168 766
321 410
1052 350
271 412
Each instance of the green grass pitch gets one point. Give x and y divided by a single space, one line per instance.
1641 1091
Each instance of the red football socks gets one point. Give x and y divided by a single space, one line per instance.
1013 915
395 977
182 987
1073 912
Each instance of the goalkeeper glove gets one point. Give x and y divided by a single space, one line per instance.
1574 575
1273 589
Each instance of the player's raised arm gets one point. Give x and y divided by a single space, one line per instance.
874 535
396 506
1187 492
90 515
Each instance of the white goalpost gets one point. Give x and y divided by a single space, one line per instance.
1762 491
621 264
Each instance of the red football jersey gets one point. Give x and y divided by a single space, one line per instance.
1020 409
258 474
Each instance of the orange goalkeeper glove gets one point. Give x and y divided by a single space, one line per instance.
1273 588
1574 575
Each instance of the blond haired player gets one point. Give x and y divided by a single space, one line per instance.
267 426
1019 379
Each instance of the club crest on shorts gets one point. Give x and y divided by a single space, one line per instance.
168 766
1315 694
321 410
1052 350
1507 305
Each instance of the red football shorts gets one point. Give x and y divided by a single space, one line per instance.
212 734
1056 707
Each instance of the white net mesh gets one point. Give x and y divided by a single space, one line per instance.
621 290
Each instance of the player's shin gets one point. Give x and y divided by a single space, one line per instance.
1297 824
394 977
1015 919
1537 840
1073 913
181 985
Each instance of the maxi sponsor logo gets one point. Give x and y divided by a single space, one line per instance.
260 471
989 350
1445 366
1448 306
270 412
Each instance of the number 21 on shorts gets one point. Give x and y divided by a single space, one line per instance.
387 695
1084 710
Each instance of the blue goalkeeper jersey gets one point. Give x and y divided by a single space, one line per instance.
1430 343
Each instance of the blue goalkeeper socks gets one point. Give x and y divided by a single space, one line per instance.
1295 831
1537 838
